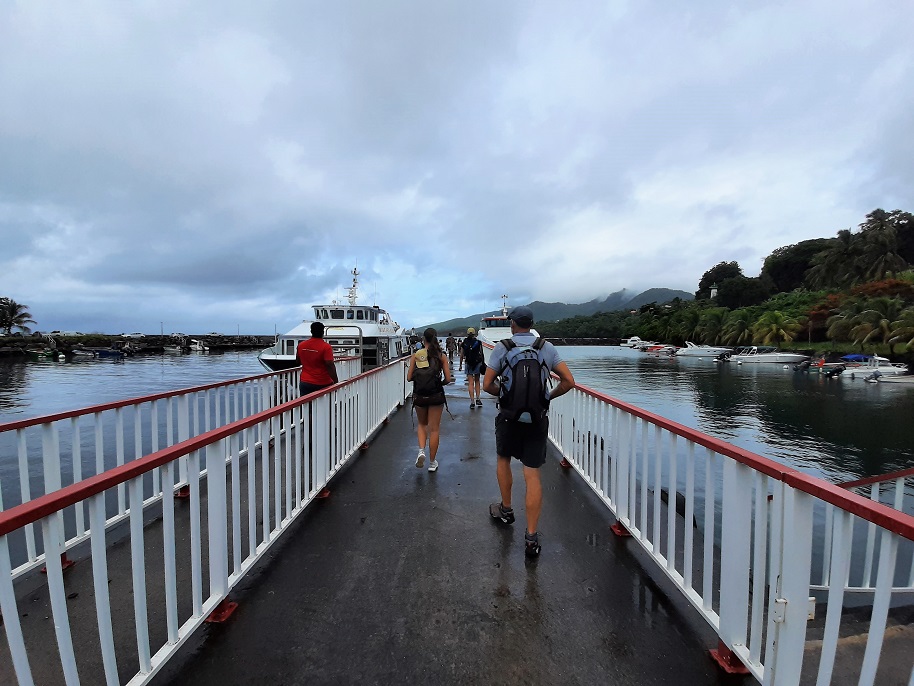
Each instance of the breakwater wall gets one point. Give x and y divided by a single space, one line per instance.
15 346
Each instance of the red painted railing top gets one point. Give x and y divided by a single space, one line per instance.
878 479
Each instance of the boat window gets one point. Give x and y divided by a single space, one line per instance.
336 314
374 316
350 314
360 314
290 347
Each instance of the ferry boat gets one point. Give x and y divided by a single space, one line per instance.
351 329
494 328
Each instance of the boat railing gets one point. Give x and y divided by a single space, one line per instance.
755 547
241 499
54 451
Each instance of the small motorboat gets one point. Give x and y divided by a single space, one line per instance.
693 350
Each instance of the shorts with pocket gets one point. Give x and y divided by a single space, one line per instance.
523 440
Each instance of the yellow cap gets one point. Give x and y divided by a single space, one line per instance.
471 330
422 358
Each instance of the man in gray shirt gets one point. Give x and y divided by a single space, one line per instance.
523 437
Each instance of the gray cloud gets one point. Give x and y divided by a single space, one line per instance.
235 161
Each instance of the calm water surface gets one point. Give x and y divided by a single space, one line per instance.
838 429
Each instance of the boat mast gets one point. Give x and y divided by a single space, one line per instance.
354 289
504 306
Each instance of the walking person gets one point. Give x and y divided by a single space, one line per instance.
430 372
471 352
316 357
524 363
451 346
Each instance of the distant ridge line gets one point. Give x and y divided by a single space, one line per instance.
555 311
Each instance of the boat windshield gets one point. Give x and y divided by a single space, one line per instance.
493 322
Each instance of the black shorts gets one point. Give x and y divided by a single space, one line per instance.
526 442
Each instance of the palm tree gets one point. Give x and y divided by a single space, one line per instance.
687 325
903 329
875 322
839 265
711 326
880 246
774 327
738 328
14 316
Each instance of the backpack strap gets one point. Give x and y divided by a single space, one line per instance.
539 343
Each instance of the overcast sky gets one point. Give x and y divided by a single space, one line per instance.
221 166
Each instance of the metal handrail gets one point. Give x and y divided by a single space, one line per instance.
73 445
745 539
312 437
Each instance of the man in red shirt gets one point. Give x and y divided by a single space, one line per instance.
316 357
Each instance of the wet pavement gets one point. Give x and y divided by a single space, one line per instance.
401 576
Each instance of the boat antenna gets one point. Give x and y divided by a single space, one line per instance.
354 289
504 306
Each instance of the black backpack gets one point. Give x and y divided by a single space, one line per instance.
427 380
528 382
472 354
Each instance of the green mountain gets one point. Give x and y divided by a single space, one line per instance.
554 311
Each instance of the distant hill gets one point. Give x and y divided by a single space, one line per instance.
552 312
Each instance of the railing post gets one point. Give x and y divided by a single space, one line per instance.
734 563
217 518
788 611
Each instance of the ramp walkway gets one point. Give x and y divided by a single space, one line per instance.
400 576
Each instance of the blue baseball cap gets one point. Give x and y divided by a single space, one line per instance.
522 316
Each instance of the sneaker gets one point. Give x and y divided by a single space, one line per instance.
420 459
433 466
478 402
532 545
505 516
472 405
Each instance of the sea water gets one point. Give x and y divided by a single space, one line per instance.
838 429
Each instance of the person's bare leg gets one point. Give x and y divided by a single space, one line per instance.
534 500
422 432
505 480
434 429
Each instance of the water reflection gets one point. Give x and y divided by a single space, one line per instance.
838 429
13 380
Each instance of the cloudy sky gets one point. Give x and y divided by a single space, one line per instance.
221 165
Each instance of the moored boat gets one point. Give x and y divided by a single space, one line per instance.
764 354
364 331
872 366
693 350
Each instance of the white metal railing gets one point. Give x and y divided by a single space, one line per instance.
312 438
745 539
72 446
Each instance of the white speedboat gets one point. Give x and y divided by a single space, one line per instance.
364 331
635 342
693 350
762 354
494 328
865 365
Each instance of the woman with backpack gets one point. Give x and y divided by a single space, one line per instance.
429 371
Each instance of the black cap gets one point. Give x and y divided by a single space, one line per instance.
522 316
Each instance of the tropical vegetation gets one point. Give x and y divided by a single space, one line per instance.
14 315
852 291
